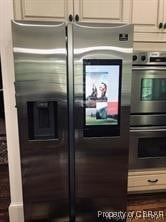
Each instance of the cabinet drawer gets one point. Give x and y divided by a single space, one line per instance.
147 182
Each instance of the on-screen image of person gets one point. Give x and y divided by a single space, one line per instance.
93 95
103 91
91 99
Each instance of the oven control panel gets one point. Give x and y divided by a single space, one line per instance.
149 58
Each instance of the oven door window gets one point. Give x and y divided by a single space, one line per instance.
152 147
153 89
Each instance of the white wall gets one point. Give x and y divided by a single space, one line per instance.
16 206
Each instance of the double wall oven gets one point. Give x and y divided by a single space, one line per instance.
148 111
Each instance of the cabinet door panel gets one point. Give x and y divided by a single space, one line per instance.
164 17
146 15
43 9
102 11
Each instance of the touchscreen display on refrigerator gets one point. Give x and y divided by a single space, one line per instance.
102 93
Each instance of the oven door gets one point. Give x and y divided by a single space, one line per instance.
147 148
148 90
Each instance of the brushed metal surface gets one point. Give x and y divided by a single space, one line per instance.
101 164
148 120
99 180
150 162
40 73
148 68
138 106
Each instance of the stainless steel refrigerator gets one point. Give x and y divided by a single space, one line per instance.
72 85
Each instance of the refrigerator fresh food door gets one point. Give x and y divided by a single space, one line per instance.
41 100
102 80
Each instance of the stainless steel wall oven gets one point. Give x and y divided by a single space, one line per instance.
148 110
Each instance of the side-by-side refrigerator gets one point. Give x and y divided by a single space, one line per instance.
72 84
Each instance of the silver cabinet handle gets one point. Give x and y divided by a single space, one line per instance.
153 181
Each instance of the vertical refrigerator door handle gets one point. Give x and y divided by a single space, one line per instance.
71 122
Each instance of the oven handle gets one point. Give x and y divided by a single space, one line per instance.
146 130
148 68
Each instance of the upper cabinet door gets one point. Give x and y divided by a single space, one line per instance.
164 17
147 15
102 11
44 10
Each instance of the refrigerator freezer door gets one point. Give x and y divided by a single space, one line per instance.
41 96
102 77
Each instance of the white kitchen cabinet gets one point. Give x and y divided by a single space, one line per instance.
147 180
102 11
147 15
44 10
82 10
149 19
164 17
